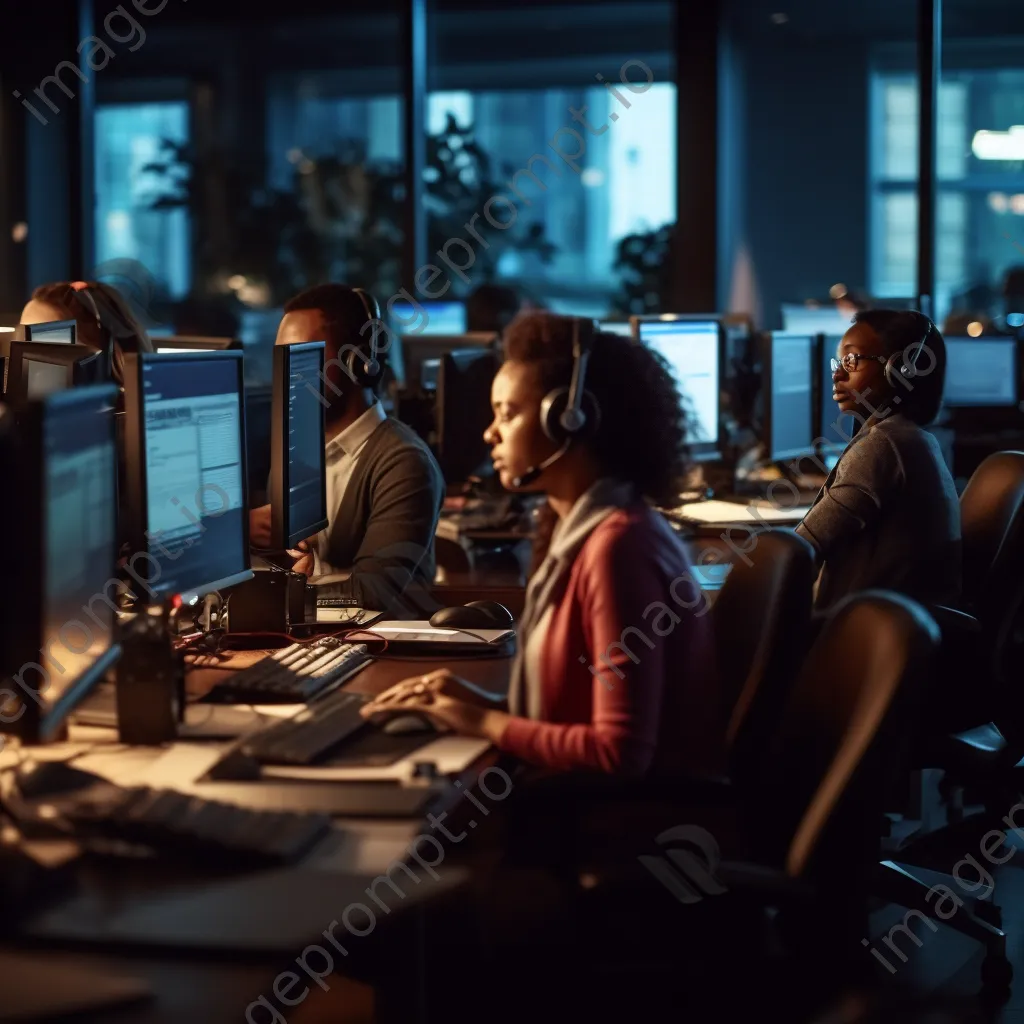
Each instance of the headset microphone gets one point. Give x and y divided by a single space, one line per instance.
535 471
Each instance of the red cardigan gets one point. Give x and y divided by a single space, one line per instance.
650 706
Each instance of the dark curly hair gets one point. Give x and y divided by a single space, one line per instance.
642 432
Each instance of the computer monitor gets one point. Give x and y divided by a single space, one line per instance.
800 319
835 428
59 609
624 328
298 460
788 396
186 472
419 348
38 368
463 411
981 372
428 318
181 343
693 350
60 331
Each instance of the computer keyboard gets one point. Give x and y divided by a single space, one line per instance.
293 675
301 740
173 822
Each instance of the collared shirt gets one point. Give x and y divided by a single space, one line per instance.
342 452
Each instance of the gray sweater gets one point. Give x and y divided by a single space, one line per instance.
888 516
384 528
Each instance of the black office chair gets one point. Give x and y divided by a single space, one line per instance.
980 646
809 817
986 644
762 626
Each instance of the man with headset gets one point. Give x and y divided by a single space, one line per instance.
384 487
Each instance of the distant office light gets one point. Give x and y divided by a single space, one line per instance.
1008 145
592 177
1017 204
974 329
237 281
1015 319
294 156
7 330
20 231
998 202
838 291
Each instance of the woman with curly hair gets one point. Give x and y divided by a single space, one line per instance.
615 670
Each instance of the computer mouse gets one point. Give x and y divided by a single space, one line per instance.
407 724
475 615
38 779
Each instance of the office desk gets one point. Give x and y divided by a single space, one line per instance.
203 988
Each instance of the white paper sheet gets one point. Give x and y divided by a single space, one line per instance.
726 512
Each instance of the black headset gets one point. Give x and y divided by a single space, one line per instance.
569 413
366 371
900 367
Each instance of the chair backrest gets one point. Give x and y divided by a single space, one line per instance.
992 526
761 621
815 806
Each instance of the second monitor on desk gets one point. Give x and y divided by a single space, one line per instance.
185 459
298 489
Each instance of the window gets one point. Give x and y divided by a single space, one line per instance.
338 158
581 203
981 199
130 136
552 129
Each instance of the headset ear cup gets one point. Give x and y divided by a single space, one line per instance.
551 409
555 403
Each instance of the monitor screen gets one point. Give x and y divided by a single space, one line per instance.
194 445
692 349
981 372
44 378
80 538
298 461
428 317
623 329
836 429
790 401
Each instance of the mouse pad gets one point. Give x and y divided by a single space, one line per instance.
275 912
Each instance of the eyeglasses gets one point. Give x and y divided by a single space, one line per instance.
850 360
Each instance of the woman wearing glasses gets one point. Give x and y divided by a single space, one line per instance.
888 515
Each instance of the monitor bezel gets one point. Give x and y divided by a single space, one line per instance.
699 451
283 534
29 329
72 357
136 486
417 348
39 722
449 362
768 403
193 343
